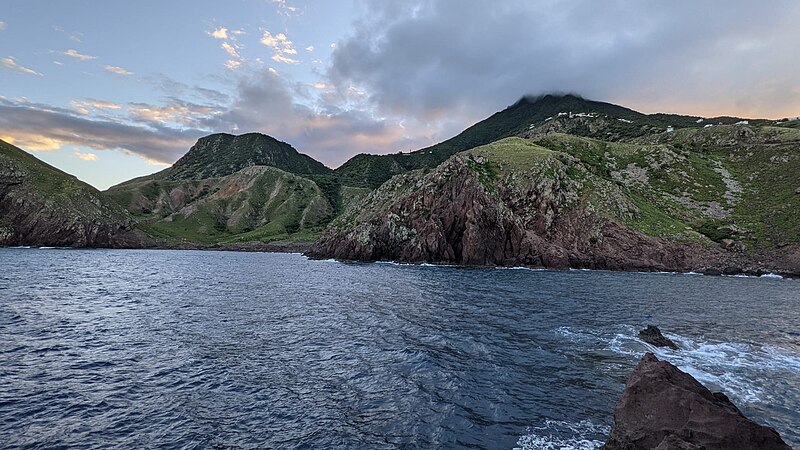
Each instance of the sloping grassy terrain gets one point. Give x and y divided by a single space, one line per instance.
257 203
41 205
608 122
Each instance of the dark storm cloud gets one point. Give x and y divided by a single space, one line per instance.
435 59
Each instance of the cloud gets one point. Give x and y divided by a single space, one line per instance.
87 156
285 9
72 53
310 48
424 59
118 70
2 25
233 64
85 106
10 63
31 141
281 46
230 50
43 127
320 85
219 33
331 130
176 111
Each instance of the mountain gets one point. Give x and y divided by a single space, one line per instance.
611 122
235 189
222 154
720 198
43 206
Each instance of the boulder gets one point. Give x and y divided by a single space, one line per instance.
797 191
664 408
727 244
652 335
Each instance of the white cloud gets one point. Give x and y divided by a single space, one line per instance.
310 48
285 9
233 64
231 50
72 53
320 85
85 106
118 70
281 46
2 25
284 59
219 33
10 63
86 156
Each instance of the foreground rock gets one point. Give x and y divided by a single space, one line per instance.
664 408
652 335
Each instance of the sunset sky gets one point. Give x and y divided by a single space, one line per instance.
109 90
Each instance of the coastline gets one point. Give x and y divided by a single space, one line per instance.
305 249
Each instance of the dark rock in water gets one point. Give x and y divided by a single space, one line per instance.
665 408
652 335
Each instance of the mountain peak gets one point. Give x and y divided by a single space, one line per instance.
222 154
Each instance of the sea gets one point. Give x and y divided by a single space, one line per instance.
202 349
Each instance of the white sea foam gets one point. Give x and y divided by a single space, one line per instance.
735 368
553 434
772 275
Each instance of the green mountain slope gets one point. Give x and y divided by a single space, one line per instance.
43 206
257 203
618 123
218 155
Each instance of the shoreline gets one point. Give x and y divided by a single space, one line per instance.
304 248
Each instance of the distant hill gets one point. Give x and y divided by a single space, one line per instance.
232 189
222 154
43 206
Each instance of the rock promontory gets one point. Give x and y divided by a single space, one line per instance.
664 408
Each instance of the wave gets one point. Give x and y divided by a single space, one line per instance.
736 368
553 434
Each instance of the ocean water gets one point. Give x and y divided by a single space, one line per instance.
189 349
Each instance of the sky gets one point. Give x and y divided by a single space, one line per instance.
109 90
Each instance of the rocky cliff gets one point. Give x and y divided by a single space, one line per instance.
664 408
564 201
509 203
43 206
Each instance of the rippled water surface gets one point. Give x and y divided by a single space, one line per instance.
189 349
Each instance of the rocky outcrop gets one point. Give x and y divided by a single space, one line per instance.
664 408
652 335
42 206
478 208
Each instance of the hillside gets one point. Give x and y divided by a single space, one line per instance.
718 198
235 189
598 119
257 203
43 206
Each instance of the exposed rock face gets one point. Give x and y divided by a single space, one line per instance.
665 408
479 209
652 335
42 206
